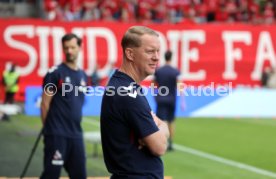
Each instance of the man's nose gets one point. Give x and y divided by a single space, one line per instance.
69 50
156 56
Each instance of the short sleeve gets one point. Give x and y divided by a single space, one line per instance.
140 119
50 82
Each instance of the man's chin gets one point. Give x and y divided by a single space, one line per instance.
69 60
150 72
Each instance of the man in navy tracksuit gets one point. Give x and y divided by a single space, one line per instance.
133 138
61 113
166 76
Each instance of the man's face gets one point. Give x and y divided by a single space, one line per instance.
146 56
71 50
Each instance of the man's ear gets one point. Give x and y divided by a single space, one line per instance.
129 54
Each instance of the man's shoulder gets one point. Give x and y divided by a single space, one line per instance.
125 91
119 81
172 70
164 70
54 72
55 69
83 72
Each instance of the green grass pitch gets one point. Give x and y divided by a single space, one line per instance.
244 142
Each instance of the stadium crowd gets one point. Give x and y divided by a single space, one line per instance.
163 11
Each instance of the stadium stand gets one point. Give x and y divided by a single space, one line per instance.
144 11
163 11
18 8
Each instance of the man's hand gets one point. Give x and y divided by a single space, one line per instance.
157 141
163 126
141 144
157 121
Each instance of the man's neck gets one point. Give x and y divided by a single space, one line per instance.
128 69
168 62
71 65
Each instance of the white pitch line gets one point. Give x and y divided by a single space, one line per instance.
208 156
92 121
224 161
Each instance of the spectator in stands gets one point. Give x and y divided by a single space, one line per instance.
243 13
68 15
166 76
61 113
128 11
268 13
133 138
255 16
10 81
90 10
50 7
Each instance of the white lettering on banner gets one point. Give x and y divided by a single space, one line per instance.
112 53
231 53
80 33
188 55
91 50
265 51
174 38
43 34
49 48
27 30
163 48
57 33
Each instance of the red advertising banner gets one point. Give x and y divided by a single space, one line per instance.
204 54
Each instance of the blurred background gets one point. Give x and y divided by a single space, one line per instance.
224 49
